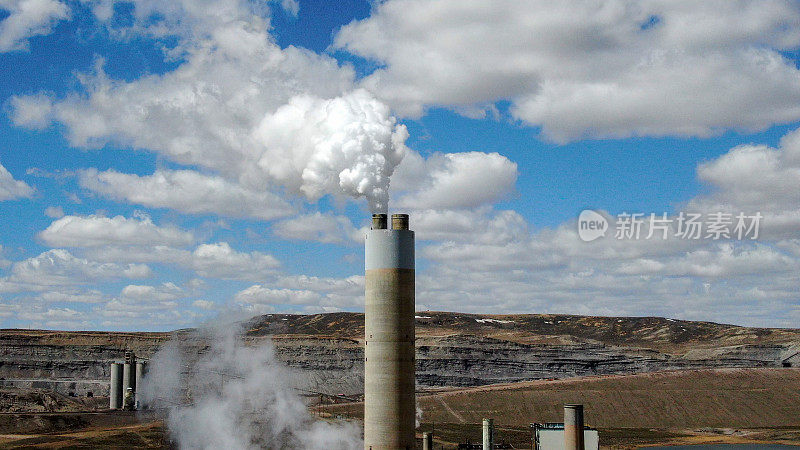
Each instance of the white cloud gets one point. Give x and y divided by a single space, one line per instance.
54 318
167 291
150 307
11 188
28 18
589 69
94 231
144 254
266 117
32 111
54 212
313 294
216 260
59 267
205 304
260 121
756 178
482 259
350 285
69 296
480 225
186 191
455 180
7 310
258 294
219 260
291 6
146 312
319 227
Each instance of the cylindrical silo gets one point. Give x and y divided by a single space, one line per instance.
141 370
115 386
427 441
488 434
573 427
128 380
127 377
389 402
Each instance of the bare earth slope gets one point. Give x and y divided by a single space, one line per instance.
453 349
680 407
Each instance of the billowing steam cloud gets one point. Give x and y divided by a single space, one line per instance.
348 145
236 397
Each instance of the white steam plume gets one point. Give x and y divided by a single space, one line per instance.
346 145
236 397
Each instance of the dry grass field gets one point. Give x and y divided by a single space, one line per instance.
703 406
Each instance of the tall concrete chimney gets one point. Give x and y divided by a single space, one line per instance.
573 427
389 402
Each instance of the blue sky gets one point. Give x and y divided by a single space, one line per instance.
167 164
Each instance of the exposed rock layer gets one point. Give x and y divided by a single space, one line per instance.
453 349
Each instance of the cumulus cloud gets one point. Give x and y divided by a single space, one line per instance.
486 259
28 18
239 105
149 307
305 294
588 69
259 125
72 296
167 291
94 231
33 111
258 294
455 180
11 188
319 227
219 260
54 318
186 191
59 267
216 260
480 225
756 178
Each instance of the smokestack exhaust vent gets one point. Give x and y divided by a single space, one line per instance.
379 221
399 221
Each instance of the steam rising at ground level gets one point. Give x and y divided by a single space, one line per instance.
237 397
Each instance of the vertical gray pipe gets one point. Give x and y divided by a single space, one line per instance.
488 434
127 383
427 441
573 427
389 400
115 386
141 370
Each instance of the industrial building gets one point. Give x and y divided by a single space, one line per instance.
551 436
125 377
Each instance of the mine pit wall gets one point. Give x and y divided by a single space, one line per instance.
79 388
337 365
